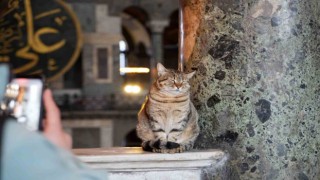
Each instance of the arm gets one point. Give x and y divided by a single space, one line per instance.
32 155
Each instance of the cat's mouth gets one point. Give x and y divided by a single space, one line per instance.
177 91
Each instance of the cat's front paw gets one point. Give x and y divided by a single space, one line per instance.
170 147
158 146
146 146
169 151
174 147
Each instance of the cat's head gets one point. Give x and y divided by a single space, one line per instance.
173 81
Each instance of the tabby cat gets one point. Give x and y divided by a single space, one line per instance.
168 121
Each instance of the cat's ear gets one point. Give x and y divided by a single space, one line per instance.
190 75
161 69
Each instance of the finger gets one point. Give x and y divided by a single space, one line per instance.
52 111
50 104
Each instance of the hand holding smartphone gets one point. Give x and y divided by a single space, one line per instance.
23 99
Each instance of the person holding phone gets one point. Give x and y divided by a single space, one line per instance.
35 155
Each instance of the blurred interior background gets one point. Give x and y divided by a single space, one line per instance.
101 94
99 57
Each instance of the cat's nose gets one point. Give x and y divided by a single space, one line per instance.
178 85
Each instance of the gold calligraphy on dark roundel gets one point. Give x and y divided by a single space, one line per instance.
39 37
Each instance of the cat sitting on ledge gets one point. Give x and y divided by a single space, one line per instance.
168 121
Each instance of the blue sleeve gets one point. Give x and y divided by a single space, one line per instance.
29 156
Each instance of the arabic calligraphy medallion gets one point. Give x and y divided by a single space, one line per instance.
39 37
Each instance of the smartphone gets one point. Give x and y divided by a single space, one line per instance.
24 99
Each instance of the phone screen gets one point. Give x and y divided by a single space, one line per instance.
28 105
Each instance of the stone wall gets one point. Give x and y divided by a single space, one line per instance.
257 86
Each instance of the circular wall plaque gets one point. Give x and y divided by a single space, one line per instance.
39 37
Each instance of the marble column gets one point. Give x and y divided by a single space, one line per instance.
257 86
157 27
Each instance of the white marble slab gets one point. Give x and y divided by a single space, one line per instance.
134 163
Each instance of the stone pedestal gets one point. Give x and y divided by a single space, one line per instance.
135 164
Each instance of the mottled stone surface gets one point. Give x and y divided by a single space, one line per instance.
257 86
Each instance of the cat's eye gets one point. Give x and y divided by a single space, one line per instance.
161 80
175 130
158 130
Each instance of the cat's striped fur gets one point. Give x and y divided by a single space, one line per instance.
168 121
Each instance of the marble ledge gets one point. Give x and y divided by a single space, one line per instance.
131 159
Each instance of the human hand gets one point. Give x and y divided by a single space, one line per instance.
52 123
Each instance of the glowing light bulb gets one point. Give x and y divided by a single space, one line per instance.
132 89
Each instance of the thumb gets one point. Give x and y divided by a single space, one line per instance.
52 121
